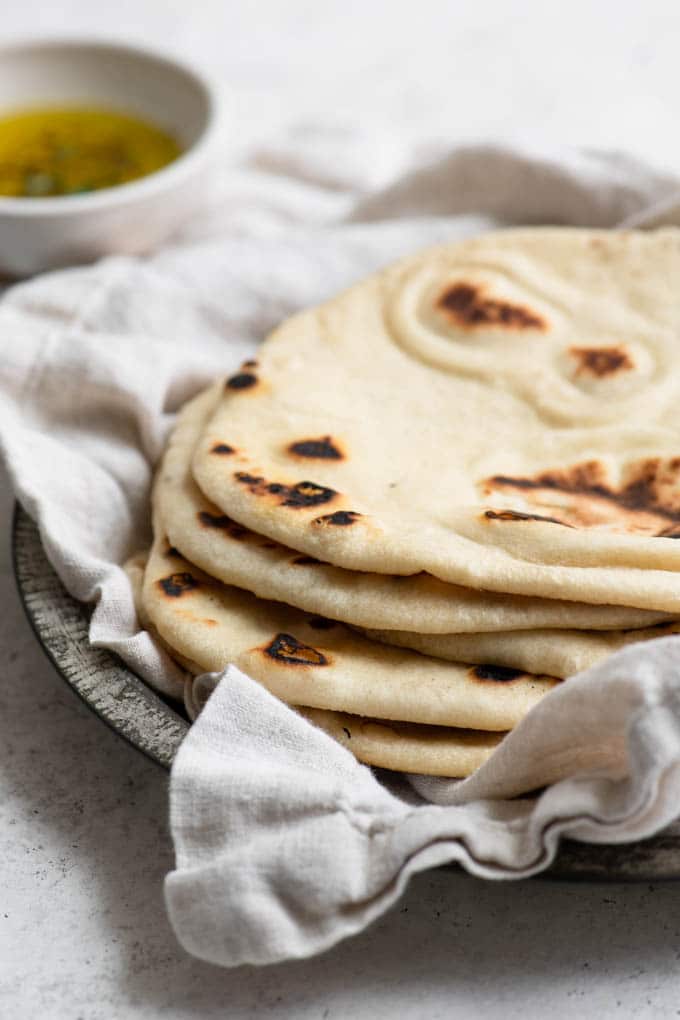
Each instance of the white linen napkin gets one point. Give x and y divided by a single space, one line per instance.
284 843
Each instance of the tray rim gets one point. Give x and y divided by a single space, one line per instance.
134 711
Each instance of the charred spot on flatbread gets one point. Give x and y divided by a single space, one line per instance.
516 515
308 494
221 522
251 363
241 381
222 449
339 519
248 479
301 494
467 305
499 674
286 648
601 361
324 448
176 585
646 501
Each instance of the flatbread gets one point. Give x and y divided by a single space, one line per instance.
135 568
561 653
501 413
404 747
238 556
311 661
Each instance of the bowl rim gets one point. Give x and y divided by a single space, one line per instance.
121 194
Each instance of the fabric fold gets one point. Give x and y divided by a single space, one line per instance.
280 832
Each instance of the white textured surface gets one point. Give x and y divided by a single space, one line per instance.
82 817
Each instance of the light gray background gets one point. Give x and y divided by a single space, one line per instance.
83 832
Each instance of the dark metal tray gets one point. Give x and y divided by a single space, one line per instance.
156 728
101 679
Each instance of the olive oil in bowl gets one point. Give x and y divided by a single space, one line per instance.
48 152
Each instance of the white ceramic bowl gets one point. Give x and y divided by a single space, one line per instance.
43 233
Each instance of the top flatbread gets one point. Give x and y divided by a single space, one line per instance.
500 413
238 556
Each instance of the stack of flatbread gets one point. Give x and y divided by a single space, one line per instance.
435 497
